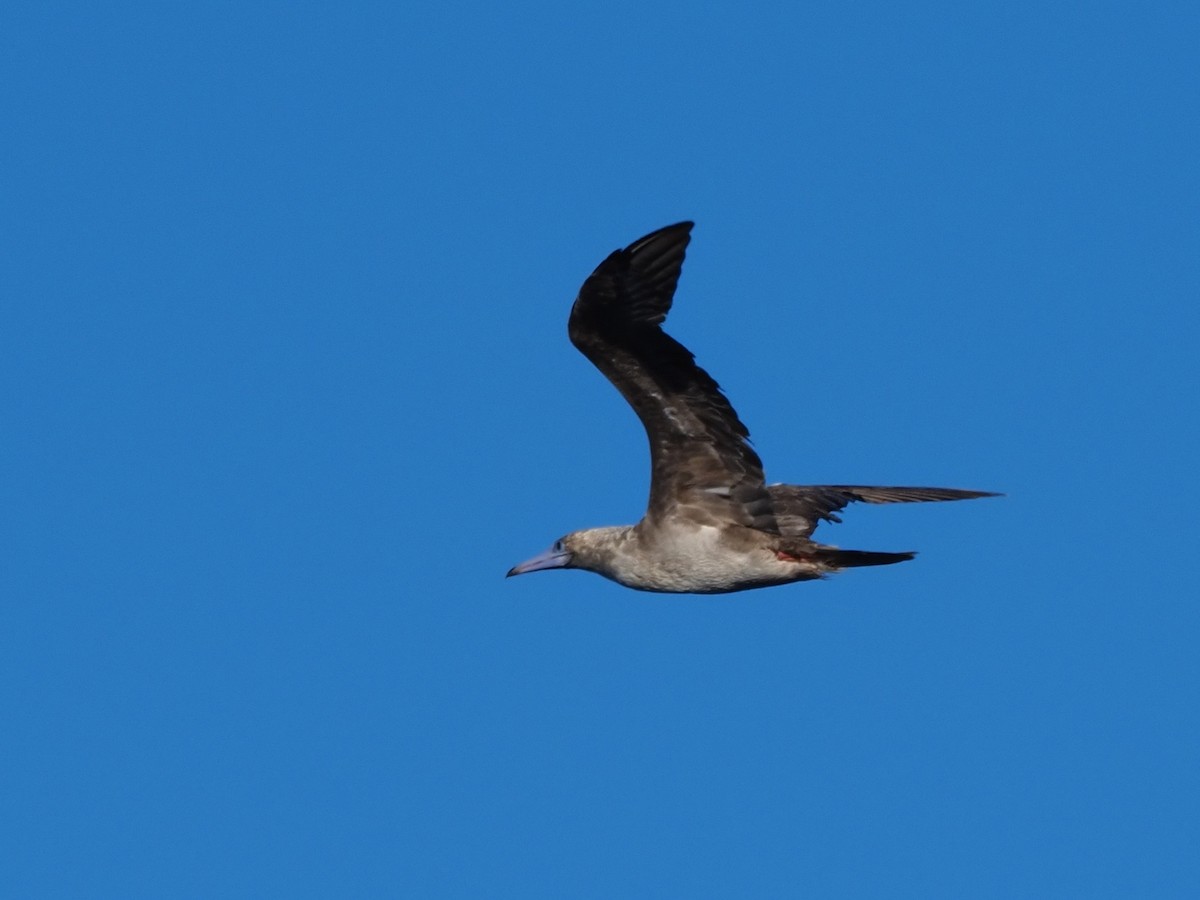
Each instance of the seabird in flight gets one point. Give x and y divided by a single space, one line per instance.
713 524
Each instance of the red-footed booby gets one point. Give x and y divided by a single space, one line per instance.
713 525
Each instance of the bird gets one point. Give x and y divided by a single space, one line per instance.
712 525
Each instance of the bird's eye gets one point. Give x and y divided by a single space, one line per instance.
558 546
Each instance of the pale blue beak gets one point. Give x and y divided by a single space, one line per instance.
551 559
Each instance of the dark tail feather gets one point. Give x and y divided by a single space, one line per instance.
848 559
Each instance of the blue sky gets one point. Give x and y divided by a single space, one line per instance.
288 389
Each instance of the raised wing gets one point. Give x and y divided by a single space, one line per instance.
800 508
702 465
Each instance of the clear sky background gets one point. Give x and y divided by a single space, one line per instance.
287 389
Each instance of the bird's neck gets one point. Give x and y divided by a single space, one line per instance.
601 550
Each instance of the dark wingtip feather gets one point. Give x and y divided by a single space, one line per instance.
874 494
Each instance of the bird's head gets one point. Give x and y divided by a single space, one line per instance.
592 549
559 556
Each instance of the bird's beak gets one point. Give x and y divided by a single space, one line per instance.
551 559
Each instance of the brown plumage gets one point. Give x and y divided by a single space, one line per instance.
712 524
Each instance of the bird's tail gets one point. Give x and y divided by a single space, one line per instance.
848 559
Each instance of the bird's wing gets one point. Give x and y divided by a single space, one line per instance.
702 465
800 508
